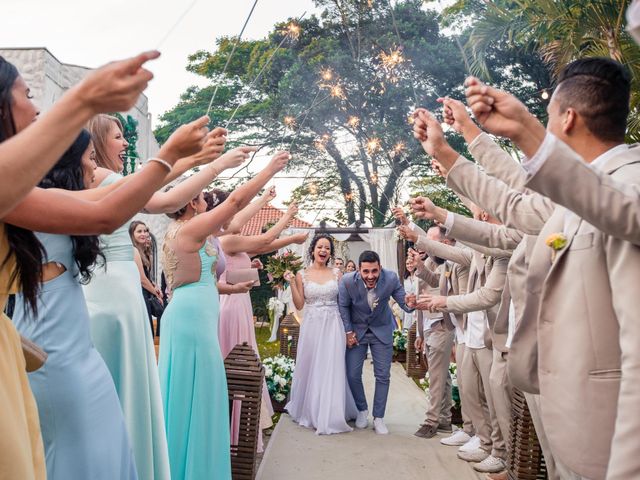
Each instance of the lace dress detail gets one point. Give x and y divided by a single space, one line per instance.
320 396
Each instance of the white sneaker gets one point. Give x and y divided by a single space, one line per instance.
362 419
472 444
490 464
380 427
477 455
458 439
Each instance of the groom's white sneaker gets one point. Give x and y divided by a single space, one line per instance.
362 420
380 427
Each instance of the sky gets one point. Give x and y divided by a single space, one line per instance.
91 33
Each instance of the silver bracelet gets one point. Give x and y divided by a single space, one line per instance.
162 162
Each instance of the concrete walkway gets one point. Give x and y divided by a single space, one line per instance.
296 453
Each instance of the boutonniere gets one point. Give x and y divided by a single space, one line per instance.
556 241
447 274
375 303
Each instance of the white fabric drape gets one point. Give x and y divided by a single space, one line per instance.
384 242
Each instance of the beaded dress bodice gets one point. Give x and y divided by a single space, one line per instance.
320 293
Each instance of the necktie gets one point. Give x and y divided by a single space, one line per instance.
444 291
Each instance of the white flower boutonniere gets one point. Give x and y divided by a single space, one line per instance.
375 303
556 241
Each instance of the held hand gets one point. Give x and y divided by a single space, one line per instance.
212 148
410 300
455 114
428 131
187 140
351 339
292 211
243 287
116 86
269 195
398 214
408 234
278 162
256 263
299 238
234 158
498 112
423 208
289 276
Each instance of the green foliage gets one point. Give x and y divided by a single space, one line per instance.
130 126
349 82
280 263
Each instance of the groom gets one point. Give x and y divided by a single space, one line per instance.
363 299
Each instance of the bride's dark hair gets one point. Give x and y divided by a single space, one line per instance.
313 246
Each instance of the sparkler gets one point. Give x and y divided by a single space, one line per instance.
289 121
373 145
168 34
353 121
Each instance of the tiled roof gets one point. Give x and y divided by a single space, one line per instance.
269 215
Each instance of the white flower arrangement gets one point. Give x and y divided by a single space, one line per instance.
278 372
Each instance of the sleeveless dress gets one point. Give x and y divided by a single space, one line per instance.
236 327
320 396
120 332
21 450
192 374
81 420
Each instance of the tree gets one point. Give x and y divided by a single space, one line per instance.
559 30
130 126
339 95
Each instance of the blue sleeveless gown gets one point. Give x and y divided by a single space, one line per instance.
193 380
81 420
120 331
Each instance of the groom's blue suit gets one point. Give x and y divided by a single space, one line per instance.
374 329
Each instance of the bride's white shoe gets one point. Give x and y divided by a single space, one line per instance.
362 420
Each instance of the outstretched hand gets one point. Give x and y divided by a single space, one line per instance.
423 208
187 140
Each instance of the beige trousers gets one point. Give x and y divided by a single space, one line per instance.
467 424
438 345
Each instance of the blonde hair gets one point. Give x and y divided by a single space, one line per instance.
100 126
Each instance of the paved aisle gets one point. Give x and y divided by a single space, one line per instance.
296 453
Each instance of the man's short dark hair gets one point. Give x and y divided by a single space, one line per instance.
368 256
599 90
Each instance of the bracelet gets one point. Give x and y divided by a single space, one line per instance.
162 162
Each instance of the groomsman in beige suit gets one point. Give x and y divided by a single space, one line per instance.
486 282
586 280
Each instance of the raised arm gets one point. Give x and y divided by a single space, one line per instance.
66 214
484 233
297 288
241 218
26 157
437 249
279 243
423 272
256 243
200 227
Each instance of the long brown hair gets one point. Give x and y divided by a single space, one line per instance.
146 252
100 126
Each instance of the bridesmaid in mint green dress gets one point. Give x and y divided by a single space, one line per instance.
192 375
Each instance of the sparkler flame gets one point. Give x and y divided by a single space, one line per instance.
336 91
293 30
326 74
392 60
373 145
289 121
353 121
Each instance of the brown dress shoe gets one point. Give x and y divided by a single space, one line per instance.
427 431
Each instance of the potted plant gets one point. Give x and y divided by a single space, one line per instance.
278 372
399 346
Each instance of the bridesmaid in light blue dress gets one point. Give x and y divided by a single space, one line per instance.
80 417
192 375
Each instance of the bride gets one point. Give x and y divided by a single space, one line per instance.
320 395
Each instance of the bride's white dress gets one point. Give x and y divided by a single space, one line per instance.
320 396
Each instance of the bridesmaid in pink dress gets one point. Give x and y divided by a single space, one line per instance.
236 312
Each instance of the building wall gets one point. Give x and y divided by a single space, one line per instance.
49 78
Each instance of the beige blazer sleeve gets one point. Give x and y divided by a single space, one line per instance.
456 254
525 212
483 233
488 251
606 203
484 297
498 163
428 274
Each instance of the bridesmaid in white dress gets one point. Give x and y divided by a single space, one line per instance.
320 396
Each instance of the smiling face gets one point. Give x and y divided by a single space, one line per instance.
370 272
115 148
141 235
351 266
23 109
322 251
89 166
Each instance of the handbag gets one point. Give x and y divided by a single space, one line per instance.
155 306
34 356
242 275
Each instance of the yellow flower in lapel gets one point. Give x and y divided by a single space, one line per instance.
556 241
447 274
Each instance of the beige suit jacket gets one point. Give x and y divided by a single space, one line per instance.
611 205
584 308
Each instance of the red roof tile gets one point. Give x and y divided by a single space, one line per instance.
266 216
